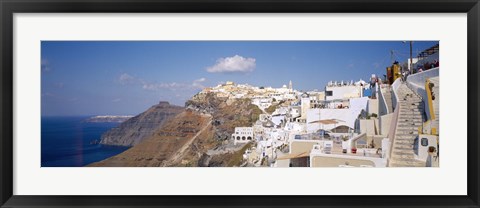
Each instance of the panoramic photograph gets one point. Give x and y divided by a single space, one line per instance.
241 104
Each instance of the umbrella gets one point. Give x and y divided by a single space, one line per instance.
328 121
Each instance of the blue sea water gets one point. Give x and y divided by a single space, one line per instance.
69 142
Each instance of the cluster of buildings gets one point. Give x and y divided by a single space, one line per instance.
263 97
349 124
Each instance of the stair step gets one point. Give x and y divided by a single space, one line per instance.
405 146
411 104
410 110
408 125
406 134
396 157
405 140
400 137
407 163
410 117
410 120
403 151
418 124
410 132
412 107
409 113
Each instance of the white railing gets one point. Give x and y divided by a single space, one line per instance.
395 87
393 128
383 105
416 82
353 141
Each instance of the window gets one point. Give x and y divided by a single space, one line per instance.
238 138
243 138
328 93
424 142
249 138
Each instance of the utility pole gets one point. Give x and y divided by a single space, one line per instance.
411 59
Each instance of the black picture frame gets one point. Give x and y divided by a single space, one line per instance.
10 7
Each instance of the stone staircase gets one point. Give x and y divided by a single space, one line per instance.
410 118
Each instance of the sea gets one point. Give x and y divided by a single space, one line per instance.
72 142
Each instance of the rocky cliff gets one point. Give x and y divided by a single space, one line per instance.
136 129
184 140
227 114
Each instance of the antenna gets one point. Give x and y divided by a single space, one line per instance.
391 56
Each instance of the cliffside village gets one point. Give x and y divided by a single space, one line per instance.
389 122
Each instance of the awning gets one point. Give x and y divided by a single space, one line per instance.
328 121
296 155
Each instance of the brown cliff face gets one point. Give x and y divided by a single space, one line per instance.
136 129
184 140
226 114
154 151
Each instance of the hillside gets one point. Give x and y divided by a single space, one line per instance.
136 129
205 124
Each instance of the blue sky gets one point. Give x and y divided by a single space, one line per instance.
127 77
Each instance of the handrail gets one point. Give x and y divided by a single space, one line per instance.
393 129
353 140
396 84
384 101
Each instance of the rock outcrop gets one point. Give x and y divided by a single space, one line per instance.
166 146
227 114
136 129
184 140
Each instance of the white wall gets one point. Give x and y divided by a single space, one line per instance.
372 106
422 152
356 107
385 123
242 132
382 103
378 162
416 82
313 115
419 78
396 84
340 114
367 126
343 92
277 120
347 115
305 107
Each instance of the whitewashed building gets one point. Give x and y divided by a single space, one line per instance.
342 91
242 135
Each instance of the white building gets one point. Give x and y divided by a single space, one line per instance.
342 91
242 135
262 102
346 116
304 106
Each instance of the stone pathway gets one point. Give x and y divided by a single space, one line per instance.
409 121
